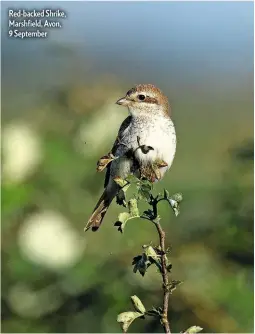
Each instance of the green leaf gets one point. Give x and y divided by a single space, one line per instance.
174 202
143 262
132 179
193 329
138 305
121 182
126 319
122 219
146 183
144 190
153 256
125 216
175 207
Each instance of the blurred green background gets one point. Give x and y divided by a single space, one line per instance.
59 117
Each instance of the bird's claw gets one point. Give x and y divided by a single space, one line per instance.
152 172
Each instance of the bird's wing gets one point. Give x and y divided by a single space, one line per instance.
125 124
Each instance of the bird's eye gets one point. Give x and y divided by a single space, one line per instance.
141 97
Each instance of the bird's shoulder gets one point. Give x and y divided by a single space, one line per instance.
124 125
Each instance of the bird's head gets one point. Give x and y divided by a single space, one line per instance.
145 99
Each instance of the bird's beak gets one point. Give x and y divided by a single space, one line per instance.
123 101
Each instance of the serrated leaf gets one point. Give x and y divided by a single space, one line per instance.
141 263
193 329
126 319
138 305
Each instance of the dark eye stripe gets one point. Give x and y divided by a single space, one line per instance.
151 100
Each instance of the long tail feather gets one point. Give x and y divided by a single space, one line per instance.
99 212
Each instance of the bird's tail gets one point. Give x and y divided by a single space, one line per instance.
99 212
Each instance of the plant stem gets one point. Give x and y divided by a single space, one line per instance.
164 319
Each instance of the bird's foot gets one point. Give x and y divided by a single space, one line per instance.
152 172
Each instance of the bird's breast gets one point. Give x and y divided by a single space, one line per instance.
158 133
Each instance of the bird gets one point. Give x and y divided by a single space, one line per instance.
148 132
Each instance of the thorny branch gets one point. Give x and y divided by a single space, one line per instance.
161 233
164 319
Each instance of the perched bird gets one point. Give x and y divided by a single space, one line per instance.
149 133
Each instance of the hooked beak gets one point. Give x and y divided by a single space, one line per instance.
123 101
